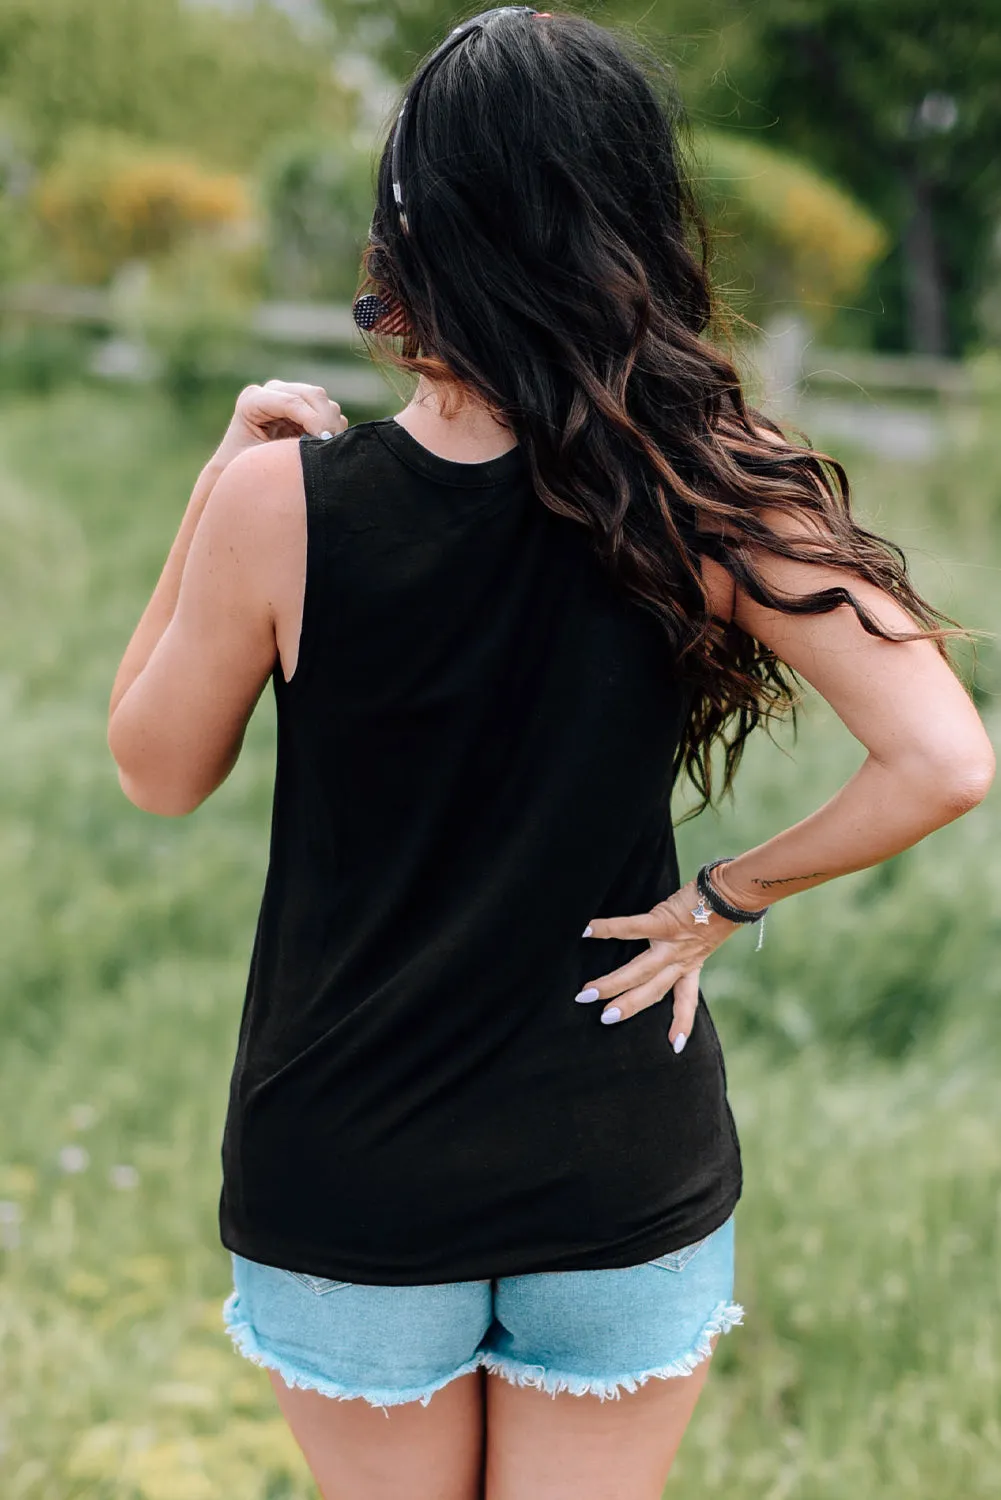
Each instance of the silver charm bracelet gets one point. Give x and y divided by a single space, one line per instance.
710 900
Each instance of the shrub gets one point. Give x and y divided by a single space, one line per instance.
318 201
108 200
783 232
38 359
192 311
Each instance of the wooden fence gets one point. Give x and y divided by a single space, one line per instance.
303 332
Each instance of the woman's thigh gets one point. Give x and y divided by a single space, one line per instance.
379 1385
410 1452
564 1447
595 1374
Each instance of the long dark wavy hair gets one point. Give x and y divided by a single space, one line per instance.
555 263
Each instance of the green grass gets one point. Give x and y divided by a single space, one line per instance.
862 1045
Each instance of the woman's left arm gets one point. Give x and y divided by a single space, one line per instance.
929 756
929 761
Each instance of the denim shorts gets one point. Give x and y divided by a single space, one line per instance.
595 1333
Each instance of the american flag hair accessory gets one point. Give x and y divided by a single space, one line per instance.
379 314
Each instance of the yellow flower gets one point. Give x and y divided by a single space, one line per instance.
171 1471
784 226
86 1287
18 1181
110 199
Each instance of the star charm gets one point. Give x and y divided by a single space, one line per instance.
701 912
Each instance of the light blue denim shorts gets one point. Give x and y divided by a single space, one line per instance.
595 1333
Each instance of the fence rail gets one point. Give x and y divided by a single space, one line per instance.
313 328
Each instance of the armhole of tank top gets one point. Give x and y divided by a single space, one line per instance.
316 552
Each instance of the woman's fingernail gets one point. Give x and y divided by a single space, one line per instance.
587 931
326 434
679 1041
611 1015
586 996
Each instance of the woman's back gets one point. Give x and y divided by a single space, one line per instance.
474 757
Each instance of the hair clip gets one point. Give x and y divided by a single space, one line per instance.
372 310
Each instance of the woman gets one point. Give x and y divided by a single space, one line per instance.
479 1169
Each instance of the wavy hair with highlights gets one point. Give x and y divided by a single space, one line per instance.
555 264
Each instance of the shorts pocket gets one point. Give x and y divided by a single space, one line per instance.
318 1285
677 1260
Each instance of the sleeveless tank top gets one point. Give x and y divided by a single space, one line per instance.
474 757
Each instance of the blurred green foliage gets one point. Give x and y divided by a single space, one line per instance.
36 360
899 100
136 130
219 81
862 1045
192 313
782 233
317 197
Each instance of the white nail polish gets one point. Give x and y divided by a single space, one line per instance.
587 931
325 434
679 1041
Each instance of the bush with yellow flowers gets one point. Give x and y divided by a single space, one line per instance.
108 200
783 232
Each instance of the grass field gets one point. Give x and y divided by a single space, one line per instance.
862 1043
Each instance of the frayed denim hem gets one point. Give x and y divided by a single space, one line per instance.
724 1316
246 1341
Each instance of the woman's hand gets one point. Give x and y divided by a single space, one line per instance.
679 946
280 409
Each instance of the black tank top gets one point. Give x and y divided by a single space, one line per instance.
474 757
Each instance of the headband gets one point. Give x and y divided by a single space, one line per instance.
475 23
372 309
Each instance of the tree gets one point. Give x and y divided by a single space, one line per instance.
900 101
220 84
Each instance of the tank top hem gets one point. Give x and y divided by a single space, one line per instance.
274 1250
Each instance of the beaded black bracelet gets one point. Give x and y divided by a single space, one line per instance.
710 900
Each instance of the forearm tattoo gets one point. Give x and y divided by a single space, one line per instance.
784 879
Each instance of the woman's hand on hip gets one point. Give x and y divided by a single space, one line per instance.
279 409
679 946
